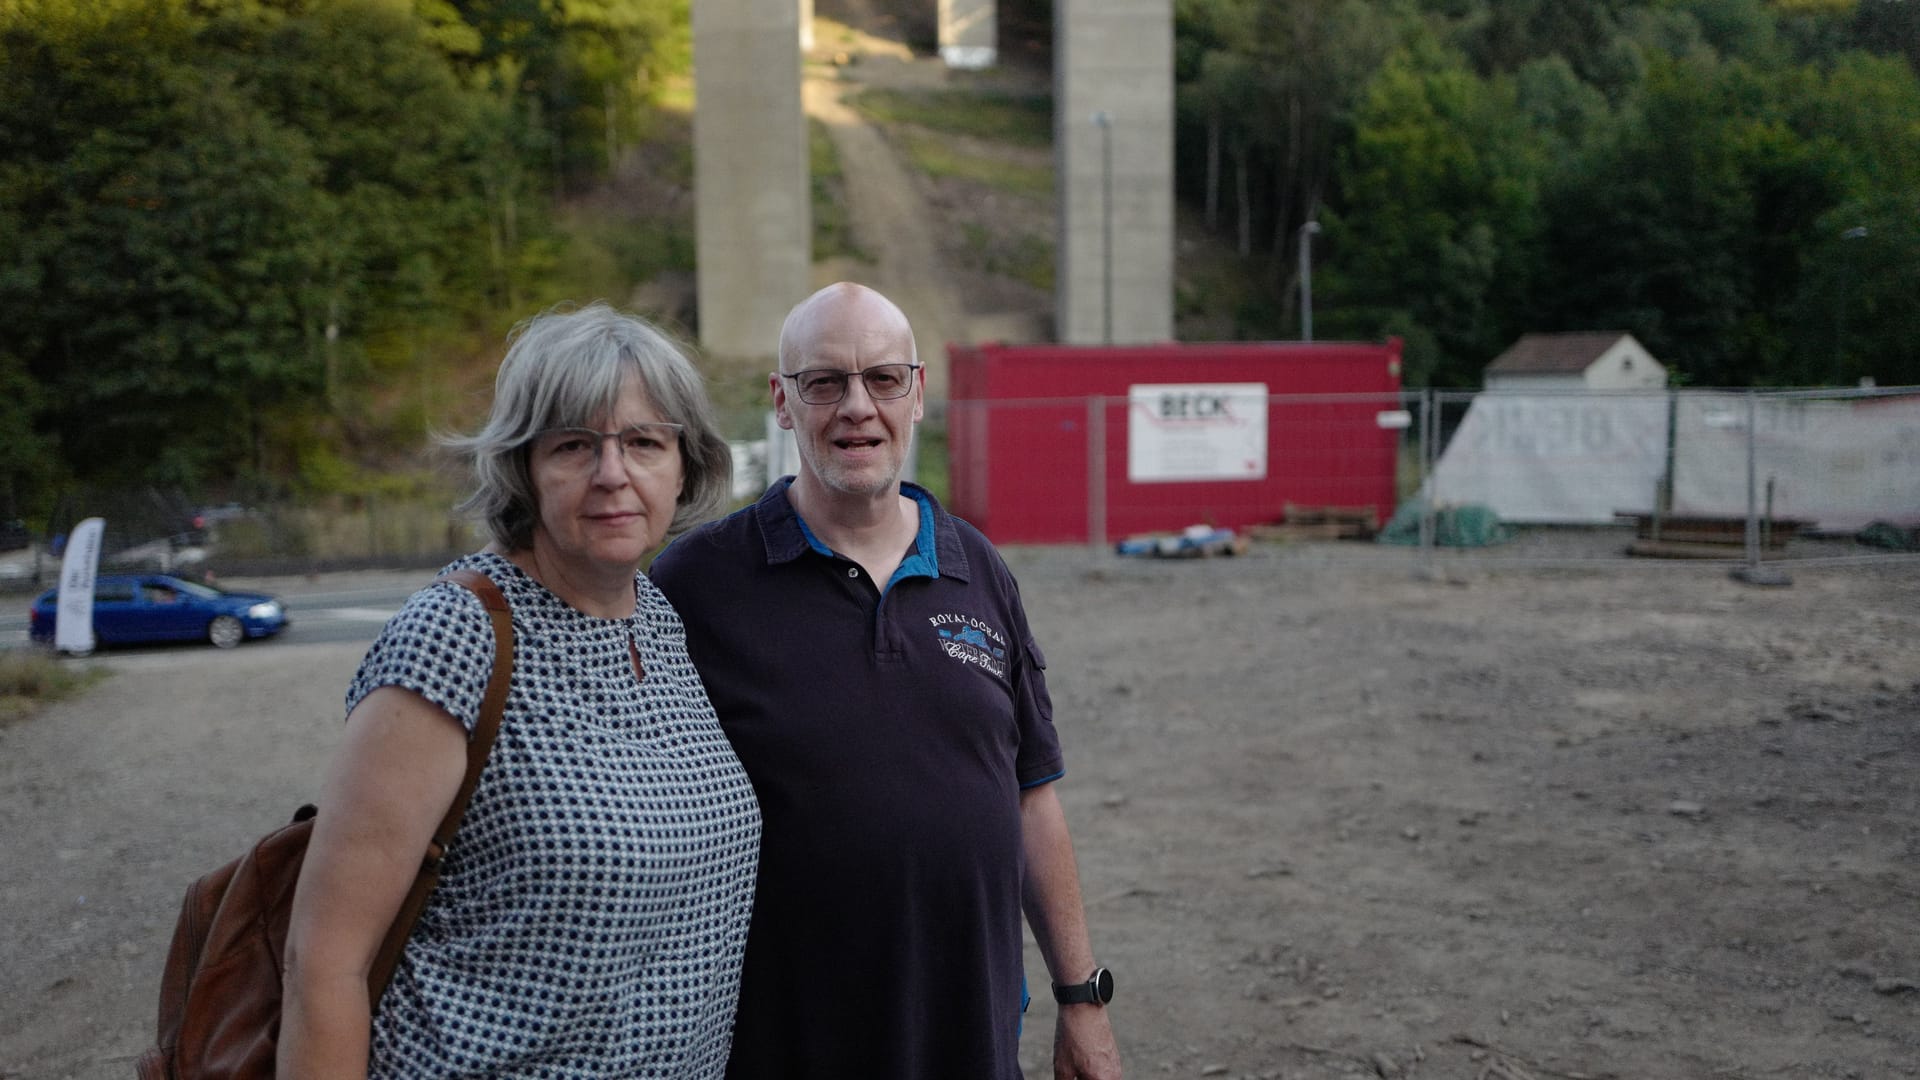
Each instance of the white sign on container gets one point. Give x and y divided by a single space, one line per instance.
1198 431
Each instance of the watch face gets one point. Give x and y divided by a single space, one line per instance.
1103 985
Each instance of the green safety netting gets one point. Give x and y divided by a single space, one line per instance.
1883 534
1453 526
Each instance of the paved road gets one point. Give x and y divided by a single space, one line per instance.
347 607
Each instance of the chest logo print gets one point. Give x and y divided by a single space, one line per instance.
971 641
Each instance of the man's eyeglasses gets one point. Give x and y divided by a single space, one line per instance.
826 386
572 449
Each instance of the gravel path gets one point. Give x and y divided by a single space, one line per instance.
1333 820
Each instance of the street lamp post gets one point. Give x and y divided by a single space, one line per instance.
1306 279
1105 123
1858 232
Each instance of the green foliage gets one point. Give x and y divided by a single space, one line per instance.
200 208
1651 236
1212 292
1024 258
25 480
1854 316
1686 170
647 248
1560 109
938 157
1697 225
156 251
832 221
1888 27
30 678
407 520
931 469
1448 170
1024 120
1266 99
233 228
579 76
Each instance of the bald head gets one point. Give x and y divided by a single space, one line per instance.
842 310
853 444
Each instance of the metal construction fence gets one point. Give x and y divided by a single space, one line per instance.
1749 480
168 531
1740 478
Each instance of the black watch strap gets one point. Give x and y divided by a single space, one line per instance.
1097 990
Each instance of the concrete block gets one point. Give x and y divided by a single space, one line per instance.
1113 144
753 232
969 34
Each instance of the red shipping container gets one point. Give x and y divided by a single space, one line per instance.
1020 415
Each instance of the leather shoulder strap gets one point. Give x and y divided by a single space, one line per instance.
492 707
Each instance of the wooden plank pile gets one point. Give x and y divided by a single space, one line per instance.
1671 536
1320 523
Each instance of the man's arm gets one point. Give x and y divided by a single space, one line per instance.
1083 1046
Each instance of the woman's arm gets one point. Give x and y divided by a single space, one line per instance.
386 791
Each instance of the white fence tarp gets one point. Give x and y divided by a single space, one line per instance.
1561 459
1837 462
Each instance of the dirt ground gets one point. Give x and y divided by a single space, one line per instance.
1626 821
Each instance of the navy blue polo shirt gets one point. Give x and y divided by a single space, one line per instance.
888 729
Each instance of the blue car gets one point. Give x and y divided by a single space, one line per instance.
139 608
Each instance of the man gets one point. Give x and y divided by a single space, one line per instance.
870 660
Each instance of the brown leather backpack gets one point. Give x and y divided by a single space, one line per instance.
220 993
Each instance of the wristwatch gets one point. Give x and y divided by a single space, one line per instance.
1097 990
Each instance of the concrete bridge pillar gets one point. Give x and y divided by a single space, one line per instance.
969 35
1113 147
753 229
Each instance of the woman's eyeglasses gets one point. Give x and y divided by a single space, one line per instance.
574 449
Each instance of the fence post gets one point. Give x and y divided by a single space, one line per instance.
1096 473
1753 573
1429 433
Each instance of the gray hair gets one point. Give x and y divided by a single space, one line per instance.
565 368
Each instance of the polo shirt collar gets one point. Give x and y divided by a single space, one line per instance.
787 537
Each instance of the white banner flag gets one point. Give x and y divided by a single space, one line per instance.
73 618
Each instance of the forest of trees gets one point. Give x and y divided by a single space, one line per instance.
226 224
1735 182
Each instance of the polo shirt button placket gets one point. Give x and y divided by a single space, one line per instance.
853 571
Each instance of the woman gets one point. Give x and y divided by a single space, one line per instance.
593 906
